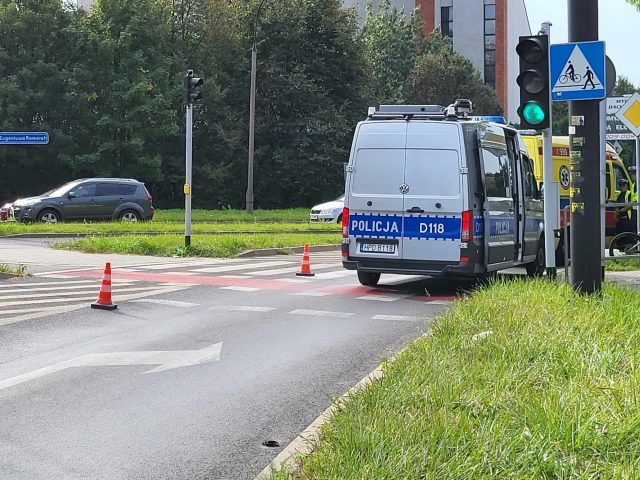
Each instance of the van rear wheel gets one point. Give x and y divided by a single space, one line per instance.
369 279
537 267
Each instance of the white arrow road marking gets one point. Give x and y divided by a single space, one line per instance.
167 360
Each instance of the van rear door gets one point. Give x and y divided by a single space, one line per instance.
375 201
433 202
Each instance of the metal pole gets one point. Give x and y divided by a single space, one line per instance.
187 185
585 165
636 185
252 119
603 168
550 207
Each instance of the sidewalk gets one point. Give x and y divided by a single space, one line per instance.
37 256
627 279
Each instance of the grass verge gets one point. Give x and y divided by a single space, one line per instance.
106 228
19 271
552 393
201 245
290 215
622 265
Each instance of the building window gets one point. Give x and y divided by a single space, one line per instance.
446 21
490 45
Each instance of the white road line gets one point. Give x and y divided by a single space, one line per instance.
169 266
29 310
22 299
398 318
280 271
241 289
378 298
42 284
234 276
321 313
439 302
296 280
312 293
51 289
169 303
241 308
334 275
244 266
78 306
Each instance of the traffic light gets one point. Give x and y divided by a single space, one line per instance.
535 107
192 87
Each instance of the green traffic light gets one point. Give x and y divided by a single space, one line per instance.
533 114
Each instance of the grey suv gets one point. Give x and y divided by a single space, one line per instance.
88 199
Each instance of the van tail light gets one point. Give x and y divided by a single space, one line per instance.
467 226
149 197
345 222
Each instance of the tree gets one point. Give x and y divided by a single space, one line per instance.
36 49
636 3
124 91
624 86
441 76
391 44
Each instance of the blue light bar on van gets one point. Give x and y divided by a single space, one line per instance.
490 118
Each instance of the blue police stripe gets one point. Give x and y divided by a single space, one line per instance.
502 227
375 226
432 228
394 226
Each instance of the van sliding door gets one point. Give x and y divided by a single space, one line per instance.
499 209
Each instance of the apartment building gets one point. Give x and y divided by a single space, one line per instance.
484 31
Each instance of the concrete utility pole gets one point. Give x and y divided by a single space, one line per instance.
252 111
585 176
551 193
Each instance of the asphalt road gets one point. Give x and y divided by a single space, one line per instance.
75 401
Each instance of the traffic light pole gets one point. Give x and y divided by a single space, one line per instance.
585 165
187 184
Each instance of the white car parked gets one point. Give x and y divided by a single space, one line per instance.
328 212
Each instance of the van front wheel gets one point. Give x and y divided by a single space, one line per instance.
368 279
537 267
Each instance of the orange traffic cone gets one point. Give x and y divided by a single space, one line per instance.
104 297
305 268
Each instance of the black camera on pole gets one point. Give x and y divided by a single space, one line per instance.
535 104
192 86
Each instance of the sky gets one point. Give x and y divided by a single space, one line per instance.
619 25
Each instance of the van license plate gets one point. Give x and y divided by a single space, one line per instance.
377 248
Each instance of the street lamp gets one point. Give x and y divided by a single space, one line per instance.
252 111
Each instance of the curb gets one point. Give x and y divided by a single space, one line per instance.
264 252
120 234
306 441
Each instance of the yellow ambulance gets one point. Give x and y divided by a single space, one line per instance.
615 170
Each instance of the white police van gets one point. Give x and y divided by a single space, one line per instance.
432 191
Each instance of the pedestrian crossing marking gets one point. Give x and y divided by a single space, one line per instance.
77 303
244 266
280 271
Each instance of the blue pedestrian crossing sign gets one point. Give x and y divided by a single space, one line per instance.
578 71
